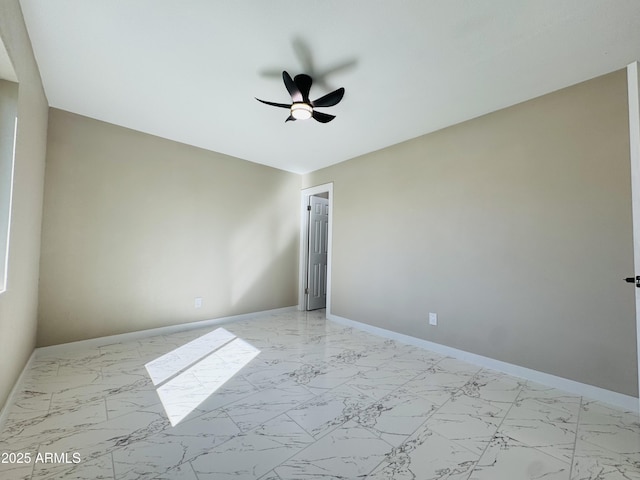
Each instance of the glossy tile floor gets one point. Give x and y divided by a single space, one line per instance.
304 398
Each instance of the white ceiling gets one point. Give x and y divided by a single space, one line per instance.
189 70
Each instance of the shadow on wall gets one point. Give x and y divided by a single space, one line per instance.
262 258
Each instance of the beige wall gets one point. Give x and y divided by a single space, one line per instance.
515 228
135 227
18 305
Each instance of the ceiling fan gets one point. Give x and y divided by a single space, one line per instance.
301 107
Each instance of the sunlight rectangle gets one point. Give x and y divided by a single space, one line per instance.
193 372
174 362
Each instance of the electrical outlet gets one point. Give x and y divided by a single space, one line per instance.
433 319
197 303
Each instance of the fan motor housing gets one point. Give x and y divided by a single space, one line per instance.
301 111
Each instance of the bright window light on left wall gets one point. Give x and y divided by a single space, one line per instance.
7 168
8 134
188 375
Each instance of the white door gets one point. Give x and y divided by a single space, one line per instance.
318 237
633 82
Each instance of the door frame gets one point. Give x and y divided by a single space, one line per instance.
633 85
304 242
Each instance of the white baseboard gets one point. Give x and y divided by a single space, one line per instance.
4 412
125 337
619 400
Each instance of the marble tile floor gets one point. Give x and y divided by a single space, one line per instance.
306 399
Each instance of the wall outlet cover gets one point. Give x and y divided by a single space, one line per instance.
433 319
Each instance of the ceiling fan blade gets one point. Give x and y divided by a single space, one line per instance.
303 52
322 117
330 99
281 105
303 82
292 88
291 118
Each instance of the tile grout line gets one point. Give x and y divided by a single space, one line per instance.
429 416
113 466
193 469
297 452
106 409
301 427
495 434
315 440
575 440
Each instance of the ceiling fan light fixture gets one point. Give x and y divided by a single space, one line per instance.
301 107
301 111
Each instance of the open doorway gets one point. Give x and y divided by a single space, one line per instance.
316 215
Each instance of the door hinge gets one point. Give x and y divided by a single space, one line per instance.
306 291
308 208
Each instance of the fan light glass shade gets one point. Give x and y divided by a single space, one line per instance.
301 111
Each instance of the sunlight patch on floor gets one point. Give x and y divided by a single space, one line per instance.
188 375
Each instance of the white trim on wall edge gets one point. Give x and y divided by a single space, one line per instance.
17 387
123 337
619 400
633 94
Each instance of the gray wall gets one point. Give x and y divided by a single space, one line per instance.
19 304
515 228
135 227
